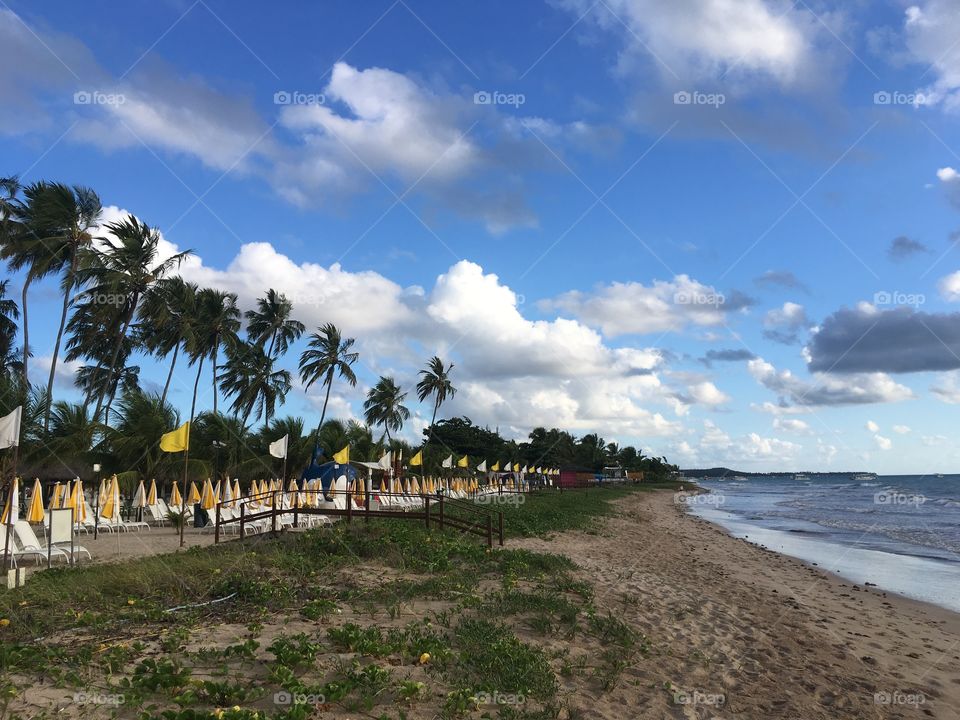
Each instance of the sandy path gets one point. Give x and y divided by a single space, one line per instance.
772 636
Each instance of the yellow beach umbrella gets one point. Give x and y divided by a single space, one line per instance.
152 494
236 491
208 499
11 510
111 505
383 487
217 491
194 495
35 512
56 498
176 500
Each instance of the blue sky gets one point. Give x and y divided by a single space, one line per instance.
761 277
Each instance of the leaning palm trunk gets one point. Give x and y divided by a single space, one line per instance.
106 390
68 288
186 453
166 387
26 332
326 399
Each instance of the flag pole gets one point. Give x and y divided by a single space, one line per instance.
7 556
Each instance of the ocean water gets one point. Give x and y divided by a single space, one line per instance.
901 532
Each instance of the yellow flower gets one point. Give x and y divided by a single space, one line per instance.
236 708
424 658
131 601
4 622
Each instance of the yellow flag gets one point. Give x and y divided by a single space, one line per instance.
342 457
176 440
463 462
417 459
496 466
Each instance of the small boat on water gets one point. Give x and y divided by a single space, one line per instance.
801 476
864 477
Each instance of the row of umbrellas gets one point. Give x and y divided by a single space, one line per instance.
262 493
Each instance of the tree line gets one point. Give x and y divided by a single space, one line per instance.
121 301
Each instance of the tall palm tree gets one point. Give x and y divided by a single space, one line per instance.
436 382
9 314
384 406
120 274
272 320
216 325
166 315
57 221
249 376
327 354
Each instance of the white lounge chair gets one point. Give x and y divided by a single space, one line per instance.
29 544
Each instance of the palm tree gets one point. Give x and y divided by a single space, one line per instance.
327 354
272 320
57 220
250 377
216 325
165 318
9 314
384 406
436 382
120 275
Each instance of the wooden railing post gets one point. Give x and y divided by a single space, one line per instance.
426 507
243 515
366 501
489 531
216 529
500 524
349 506
296 510
273 517
441 512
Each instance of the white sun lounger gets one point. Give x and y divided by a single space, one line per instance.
28 543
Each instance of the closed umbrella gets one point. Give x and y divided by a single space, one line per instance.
56 497
110 509
194 495
207 499
152 494
176 500
11 510
35 513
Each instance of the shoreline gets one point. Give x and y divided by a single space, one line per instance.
772 635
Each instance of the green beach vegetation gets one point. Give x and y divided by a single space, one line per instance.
384 619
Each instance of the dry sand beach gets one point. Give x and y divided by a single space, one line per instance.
772 636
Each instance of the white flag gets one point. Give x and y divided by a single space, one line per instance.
448 463
482 467
508 468
524 469
10 428
278 448
384 462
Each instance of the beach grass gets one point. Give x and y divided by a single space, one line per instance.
373 617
